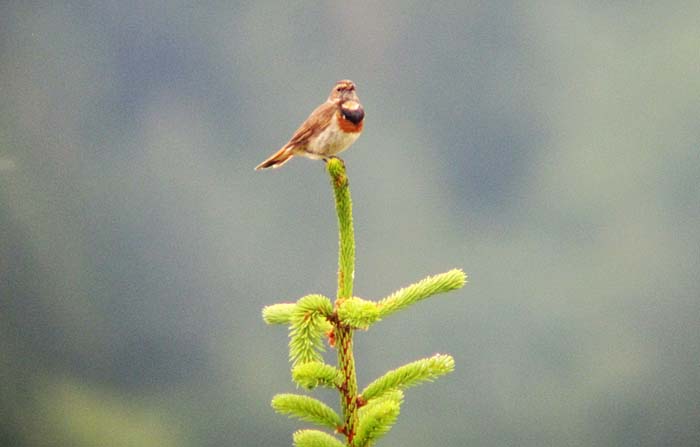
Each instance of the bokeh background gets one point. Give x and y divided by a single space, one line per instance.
550 149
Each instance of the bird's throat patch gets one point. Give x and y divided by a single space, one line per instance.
351 116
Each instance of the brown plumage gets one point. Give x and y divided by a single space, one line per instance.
329 130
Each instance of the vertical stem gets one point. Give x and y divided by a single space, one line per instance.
346 275
348 398
343 206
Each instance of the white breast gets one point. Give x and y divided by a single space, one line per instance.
331 141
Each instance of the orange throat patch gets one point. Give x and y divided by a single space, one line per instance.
348 126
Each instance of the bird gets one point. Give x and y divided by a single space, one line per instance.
330 129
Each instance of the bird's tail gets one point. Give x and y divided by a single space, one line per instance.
277 159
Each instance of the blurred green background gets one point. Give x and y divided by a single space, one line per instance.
550 149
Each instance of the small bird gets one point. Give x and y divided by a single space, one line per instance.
329 130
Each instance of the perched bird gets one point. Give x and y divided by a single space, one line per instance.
329 130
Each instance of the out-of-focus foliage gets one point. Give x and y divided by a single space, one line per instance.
550 149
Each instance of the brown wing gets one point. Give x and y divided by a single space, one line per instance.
314 124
